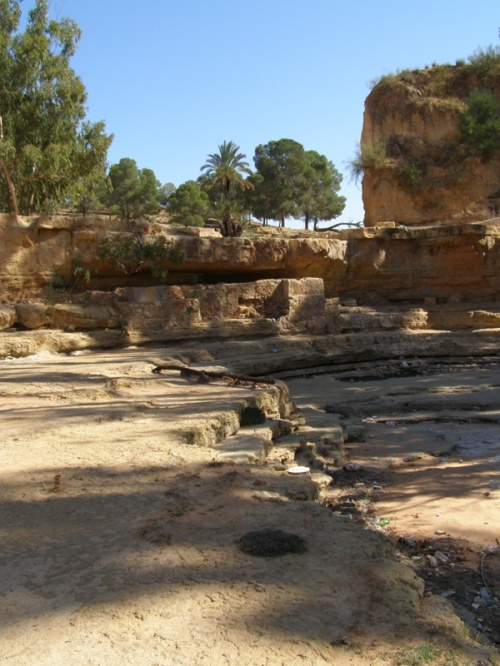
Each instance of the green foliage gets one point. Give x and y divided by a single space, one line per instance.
292 182
444 80
131 253
485 62
59 284
480 125
411 175
224 180
318 194
230 213
189 205
80 274
93 201
279 165
224 172
164 193
48 150
426 655
368 156
134 192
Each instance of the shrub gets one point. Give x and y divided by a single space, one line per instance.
368 156
410 175
480 125
485 62
131 253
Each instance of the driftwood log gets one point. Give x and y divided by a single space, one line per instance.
206 375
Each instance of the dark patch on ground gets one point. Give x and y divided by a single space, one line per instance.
271 543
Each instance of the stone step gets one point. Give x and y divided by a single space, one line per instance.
252 443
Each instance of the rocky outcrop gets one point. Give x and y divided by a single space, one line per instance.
373 266
416 168
370 292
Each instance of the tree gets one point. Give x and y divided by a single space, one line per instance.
224 181
135 192
319 185
279 167
48 152
189 204
260 200
292 182
164 192
223 172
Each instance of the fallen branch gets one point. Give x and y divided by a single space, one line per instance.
205 375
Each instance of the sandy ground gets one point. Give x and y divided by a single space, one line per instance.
124 495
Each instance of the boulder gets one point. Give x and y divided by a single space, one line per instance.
32 315
7 316
79 317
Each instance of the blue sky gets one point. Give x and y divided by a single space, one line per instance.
174 79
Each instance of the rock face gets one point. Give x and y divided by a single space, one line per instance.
369 291
416 167
373 266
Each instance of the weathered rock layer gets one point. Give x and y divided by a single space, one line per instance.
416 166
360 294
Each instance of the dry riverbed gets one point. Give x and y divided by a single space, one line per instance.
125 496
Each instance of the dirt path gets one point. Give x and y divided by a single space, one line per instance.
124 495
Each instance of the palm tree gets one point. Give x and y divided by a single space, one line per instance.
223 171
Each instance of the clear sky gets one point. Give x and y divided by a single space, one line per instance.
173 79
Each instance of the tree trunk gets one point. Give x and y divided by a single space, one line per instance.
12 189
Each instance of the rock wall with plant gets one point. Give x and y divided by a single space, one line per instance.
56 259
369 291
430 145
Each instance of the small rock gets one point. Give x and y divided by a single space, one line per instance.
432 561
485 594
440 532
413 456
441 556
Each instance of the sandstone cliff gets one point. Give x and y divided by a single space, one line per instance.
416 167
39 257
363 293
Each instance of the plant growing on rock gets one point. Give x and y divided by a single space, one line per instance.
480 125
132 253
411 175
368 156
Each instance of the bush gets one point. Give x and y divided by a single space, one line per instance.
411 176
188 205
480 125
368 156
130 254
485 62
